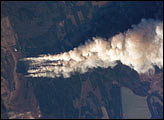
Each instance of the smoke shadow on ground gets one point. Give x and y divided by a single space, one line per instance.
119 16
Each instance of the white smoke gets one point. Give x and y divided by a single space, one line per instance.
141 48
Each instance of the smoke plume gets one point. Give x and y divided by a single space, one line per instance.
140 48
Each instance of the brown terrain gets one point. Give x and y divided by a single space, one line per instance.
16 92
156 82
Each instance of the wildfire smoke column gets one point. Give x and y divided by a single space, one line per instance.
141 48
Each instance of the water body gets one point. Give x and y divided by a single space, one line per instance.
134 106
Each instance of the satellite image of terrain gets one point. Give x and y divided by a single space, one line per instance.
71 89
